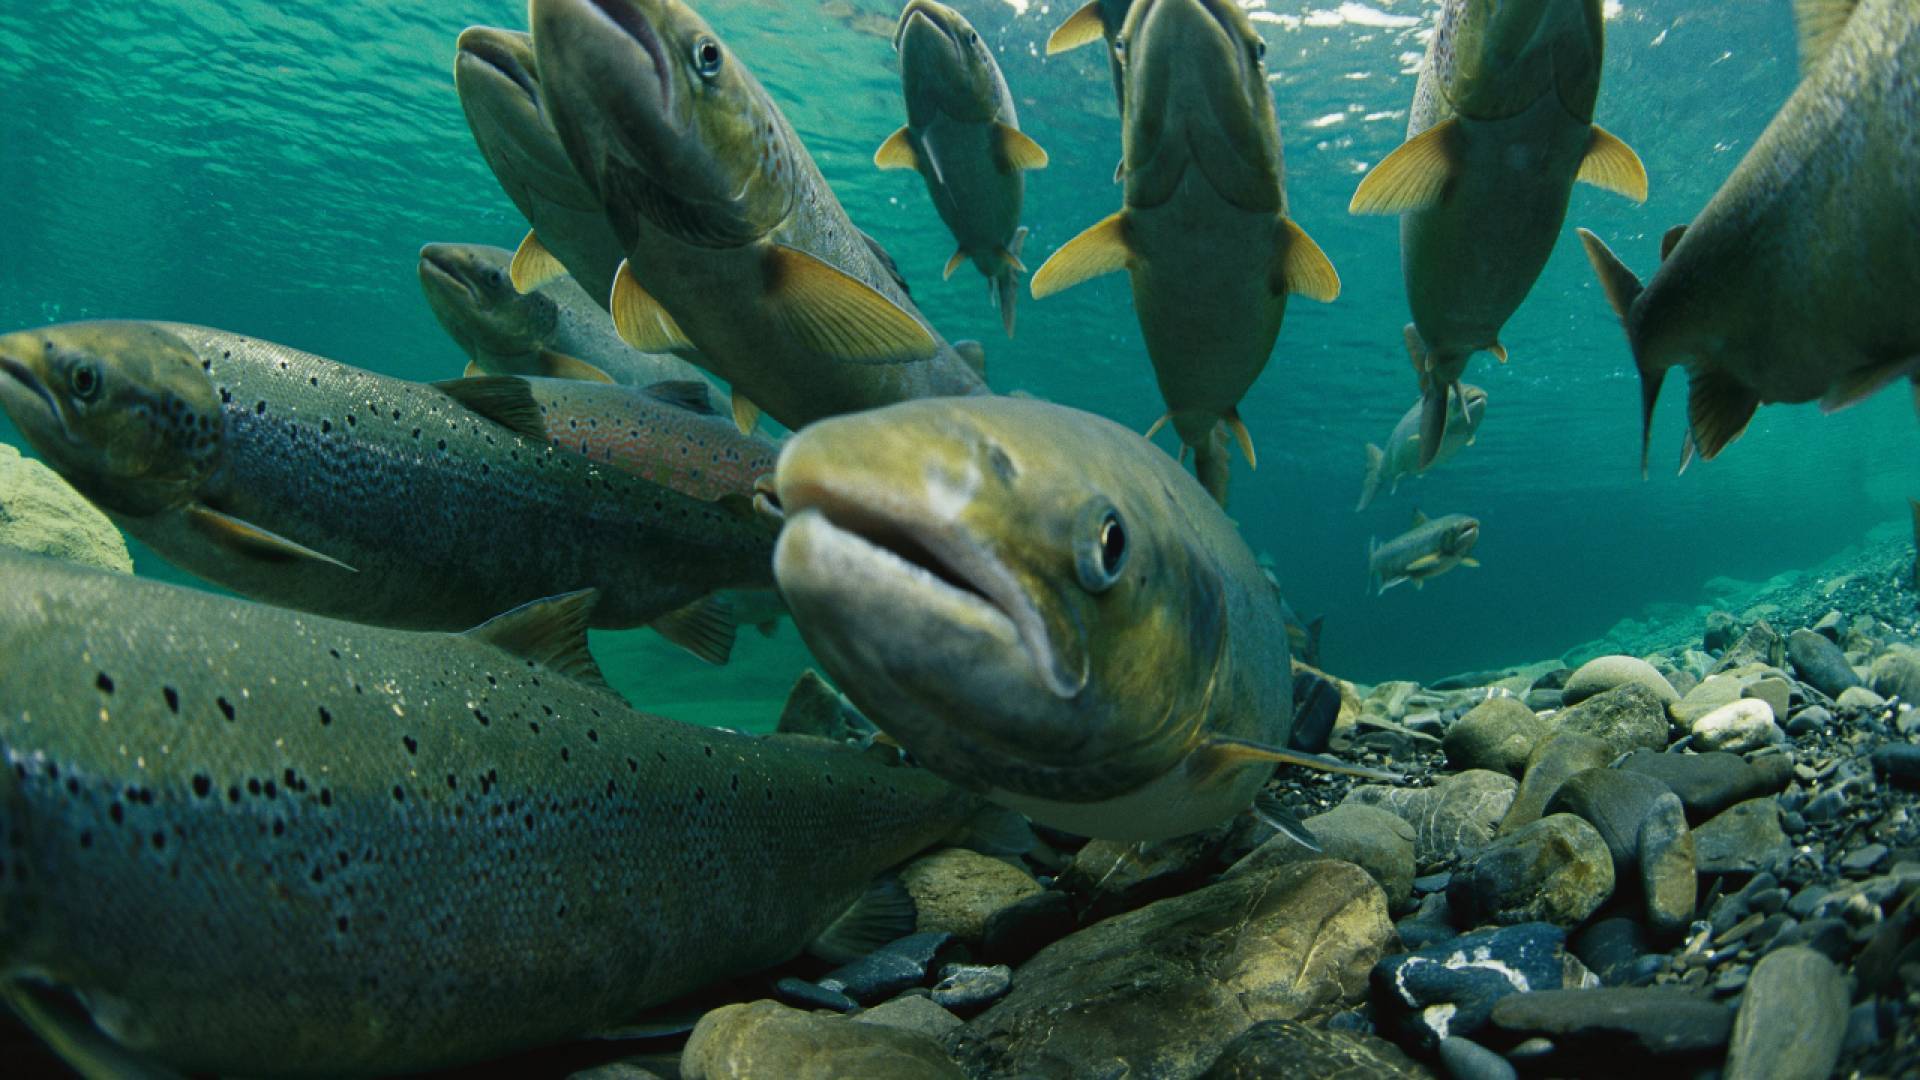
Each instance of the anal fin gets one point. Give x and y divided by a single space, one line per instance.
884 913
250 541
704 628
640 320
1300 267
1719 408
1241 435
1862 383
897 152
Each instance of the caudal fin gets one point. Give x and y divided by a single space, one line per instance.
1210 464
1622 289
1433 416
1369 487
1006 283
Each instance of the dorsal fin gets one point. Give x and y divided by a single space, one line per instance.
506 400
1670 240
550 632
1419 519
688 394
1819 23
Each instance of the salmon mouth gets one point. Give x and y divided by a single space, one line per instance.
487 51
444 274
20 384
627 17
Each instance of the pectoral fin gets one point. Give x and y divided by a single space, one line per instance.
1670 240
1413 177
1611 165
1419 519
1245 752
1499 351
533 265
73 1037
558 365
1719 408
640 319
473 370
1240 435
1267 807
1014 150
886 912
1470 561
1083 27
837 315
745 413
692 395
1300 267
704 628
550 632
506 400
1157 425
897 152
250 541
1102 249
1424 562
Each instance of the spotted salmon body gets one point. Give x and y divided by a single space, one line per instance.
667 435
252 841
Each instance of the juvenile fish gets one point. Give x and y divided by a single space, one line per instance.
1501 127
498 81
737 247
298 481
963 137
556 330
1798 279
1041 606
1401 458
1428 549
1204 234
248 841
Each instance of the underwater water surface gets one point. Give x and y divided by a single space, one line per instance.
273 168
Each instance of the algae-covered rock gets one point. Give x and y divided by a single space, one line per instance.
766 1038
40 513
957 890
1292 1049
1556 870
1604 673
1162 990
1498 734
1452 819
1626 718
1375 840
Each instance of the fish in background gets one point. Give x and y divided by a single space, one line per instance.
737 245
1303 637
294 480
556 330
249 841
1096 20
1038 604
1203 233
963 137
1501 128
1914 505
1428 549
1401 458
498 81
1799 278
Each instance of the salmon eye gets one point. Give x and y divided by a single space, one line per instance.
1259 49
1113 544
706 57
85 380
1102 553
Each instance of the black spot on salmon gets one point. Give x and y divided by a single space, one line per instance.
202 786
326 426
86 838
233 794
159 841
226 707
104 682
325 716
253 787
399 794
326 797
173 699
118 813
413 746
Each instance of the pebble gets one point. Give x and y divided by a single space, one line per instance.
1452 819
1759 645
1859 699
1776 692
1792 1020
956 891
1604 673
1465 1059
1498 734
1738 727
1293 1049
1742 839
1611 946
1711 694
1556 870
1896 674
1710 783
1625 718
1668 879
1025 927
889 969
911 1012
1560 757
1428 926
968 988
1899 764
1614 802
1619 1025
766 1038
812 995
1373 839
1864 860
1447 990
1829 937
1820 663
1812 720
1722 630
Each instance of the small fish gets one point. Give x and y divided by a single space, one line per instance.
1203 233
1401 458
1501 128
556 330
963 136
1096 20
249 841
1428 549
498 81
1038 604
1914 505
294 480
738 246
1798 279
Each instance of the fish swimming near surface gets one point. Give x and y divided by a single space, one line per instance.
1096 20
1428 549
498 81
1501 128
250 841
1203 233
1401 458
555 331
963 136
1798 279
1039 605
299 481
739 248
667 433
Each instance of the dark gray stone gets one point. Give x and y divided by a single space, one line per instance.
1792 1021
1292 1049
812 995
1811 720
1896 674
1626 718
1555 870
968 988
1018 931
1743 839
1429 926
1819 663
1828 937
1614 802
1376 840
1616 1027
1759 645
1552 763
1316 705
1899 764
1465 1059
889 969
1609 947
1447 990
1710 783
1669 883
1862 861
1722 630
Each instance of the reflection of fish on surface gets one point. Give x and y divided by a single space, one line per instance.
1401 458
555 330
963 137
1203 231
1798 279
299 481
738 246
1428 549
455 846
1038 604
1501 128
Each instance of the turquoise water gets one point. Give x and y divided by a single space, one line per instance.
273 169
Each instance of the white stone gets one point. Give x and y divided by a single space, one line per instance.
1746 724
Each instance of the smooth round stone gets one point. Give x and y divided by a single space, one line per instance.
889 969
1300 1051
1811 720
966 988
1669 884
1709 783
1713 692
1743 839
1614 802
1554 761
1556 870
1604 673
1737 727
956 890
911 1012
1449 989
1609 947
1452 819
1859 699
766 1038
1792 1021
1820 663
1498 734
1626 718
1722 630
1899 763
1376 840
1465 1059
1776 692
1619 1024
812 996
1896 674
